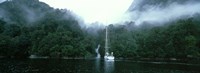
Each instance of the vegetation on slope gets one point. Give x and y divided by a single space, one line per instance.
32 27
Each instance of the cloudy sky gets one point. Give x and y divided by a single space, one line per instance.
104 11
113 11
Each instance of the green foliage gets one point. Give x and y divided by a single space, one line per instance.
2 23
176 39
5 45
57 34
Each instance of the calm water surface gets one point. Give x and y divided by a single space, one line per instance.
91 66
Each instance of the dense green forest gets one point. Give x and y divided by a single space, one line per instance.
31 27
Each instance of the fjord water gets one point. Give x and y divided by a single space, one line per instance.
92 66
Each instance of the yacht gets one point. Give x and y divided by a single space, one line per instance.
108 56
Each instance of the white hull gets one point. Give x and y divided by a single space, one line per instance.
109 57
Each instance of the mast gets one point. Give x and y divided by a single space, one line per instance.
108 56
106 42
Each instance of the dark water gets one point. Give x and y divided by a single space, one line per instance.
91 66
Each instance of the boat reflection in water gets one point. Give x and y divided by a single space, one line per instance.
109 66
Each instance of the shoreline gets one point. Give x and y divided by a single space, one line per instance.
119 58
138 60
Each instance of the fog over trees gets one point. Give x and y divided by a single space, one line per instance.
31 27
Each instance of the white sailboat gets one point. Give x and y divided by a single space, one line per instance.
108 56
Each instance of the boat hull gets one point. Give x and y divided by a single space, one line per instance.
109 57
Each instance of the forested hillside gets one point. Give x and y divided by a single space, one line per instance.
31 27
180 39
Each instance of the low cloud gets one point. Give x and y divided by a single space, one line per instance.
161 13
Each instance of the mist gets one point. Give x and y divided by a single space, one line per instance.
2 1
140 12
29 13
26 12
158 12
143 12
153 12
